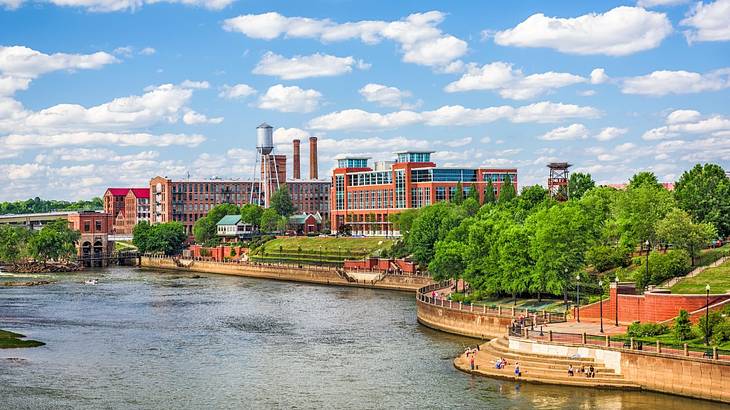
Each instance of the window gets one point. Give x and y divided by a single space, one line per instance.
87 226
97 225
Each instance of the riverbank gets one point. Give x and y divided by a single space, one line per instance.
322 275
12 340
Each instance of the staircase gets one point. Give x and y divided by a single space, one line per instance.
540 368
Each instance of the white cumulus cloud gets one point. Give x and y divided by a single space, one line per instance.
105 6
617 32
191 118
681 122
708 22
510 82
386 96
236 91
420 39
571 132
290 99
298 67
609 133
665 82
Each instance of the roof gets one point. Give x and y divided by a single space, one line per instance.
141 192
230 220
301 218
118 191
264 125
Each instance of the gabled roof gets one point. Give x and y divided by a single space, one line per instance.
230 220
301 218
141 192
118 191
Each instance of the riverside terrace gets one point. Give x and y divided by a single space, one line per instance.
545 354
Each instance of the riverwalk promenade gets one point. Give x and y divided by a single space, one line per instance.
326 275
545 345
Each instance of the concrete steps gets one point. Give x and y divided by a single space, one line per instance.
540 368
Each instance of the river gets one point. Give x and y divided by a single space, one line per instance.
144 339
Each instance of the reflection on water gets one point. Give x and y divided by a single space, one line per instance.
160 340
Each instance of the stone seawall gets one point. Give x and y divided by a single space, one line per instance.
685 376
462 321
308 274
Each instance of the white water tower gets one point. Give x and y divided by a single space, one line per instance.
265 171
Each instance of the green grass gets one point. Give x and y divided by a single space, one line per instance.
718 278
312 250
124 246
10 340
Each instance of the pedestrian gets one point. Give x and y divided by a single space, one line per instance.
471 362
591 371
518 373
570 370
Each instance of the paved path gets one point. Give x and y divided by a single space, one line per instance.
587 327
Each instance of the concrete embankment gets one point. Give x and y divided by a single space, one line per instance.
308 274
461 320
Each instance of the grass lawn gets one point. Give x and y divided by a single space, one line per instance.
329 244
124 246
718 278
9 340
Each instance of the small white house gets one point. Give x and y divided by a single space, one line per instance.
230 227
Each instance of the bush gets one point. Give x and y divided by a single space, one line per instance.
722 332
674 263
647 329
604 257
682 326
703 328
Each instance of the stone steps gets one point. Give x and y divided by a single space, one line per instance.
540 368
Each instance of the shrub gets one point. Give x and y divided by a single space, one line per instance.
702 327
646 329
674 263
682 326
604 257
722 332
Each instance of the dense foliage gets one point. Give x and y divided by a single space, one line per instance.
533 244
37 205
167 238
56 241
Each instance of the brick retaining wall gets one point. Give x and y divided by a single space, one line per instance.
462 322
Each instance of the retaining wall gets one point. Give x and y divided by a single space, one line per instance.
309 274
686 376
463 322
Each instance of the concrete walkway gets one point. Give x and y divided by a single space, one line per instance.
586 327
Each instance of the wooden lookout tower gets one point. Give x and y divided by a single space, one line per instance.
558 180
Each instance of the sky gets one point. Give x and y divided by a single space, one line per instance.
110 93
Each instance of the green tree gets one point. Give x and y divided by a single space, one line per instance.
431 224
269 220
704 192
281 202
56 241
251 214
675 262
532 196
471 206
204 230
507 191
473 193
448 261
644 178
13 242
707 324
168 238
677 229
638 210
578 184
515 263
458 198
403 221
682 326
489 197
141 235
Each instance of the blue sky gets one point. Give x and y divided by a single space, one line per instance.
99 93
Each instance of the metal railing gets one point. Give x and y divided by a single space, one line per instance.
623 343
522 317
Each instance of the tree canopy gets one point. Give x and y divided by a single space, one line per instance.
579 183
281 202
704 192
167 238
55 241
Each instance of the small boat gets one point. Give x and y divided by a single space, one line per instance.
91 281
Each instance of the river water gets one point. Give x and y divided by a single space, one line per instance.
145 339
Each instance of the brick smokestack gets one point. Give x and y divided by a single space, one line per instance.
296 170
313 174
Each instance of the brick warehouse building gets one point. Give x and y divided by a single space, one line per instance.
127 206
363 197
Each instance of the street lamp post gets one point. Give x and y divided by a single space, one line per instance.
565 292
600 303
648 250
616 309
320 255
577 295
707 315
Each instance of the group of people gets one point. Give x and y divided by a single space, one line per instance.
589 372
471 354
500 363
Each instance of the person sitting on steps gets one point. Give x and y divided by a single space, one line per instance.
570 370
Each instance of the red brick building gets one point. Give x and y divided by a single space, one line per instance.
362 197
128 206
94 246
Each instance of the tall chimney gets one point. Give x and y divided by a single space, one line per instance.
296 169
313 174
